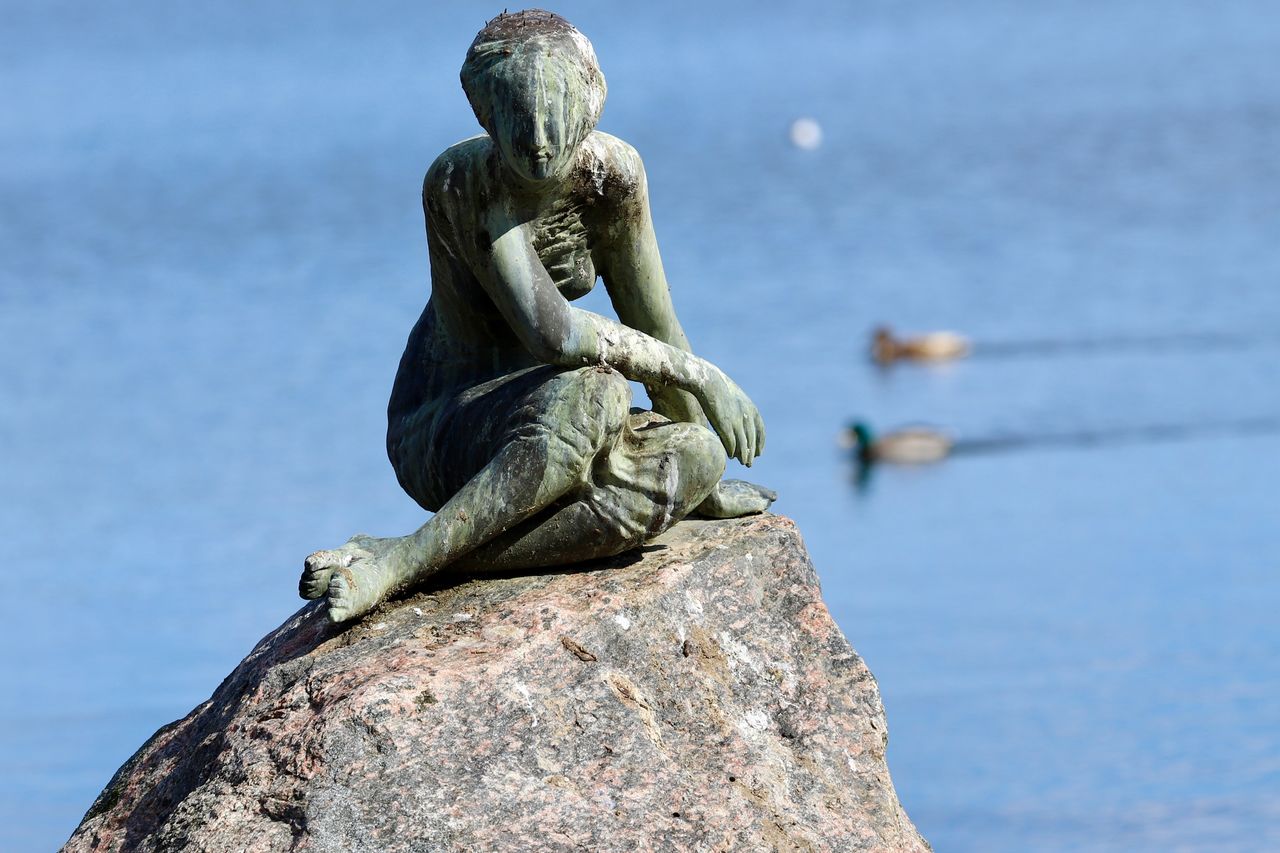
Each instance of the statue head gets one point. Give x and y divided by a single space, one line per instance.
536 88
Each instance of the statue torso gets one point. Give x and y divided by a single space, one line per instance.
461 334
563 241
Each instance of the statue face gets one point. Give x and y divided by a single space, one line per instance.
534 122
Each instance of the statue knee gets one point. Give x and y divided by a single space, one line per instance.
588 414
653 491
702 462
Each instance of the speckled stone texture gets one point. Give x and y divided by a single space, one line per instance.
693 696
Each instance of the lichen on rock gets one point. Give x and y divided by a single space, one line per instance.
695 696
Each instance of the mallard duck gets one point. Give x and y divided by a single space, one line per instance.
933 346
909 446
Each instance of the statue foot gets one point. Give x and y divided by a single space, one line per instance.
736 498
318 568
354 577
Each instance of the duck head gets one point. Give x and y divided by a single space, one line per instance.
861 440
883 347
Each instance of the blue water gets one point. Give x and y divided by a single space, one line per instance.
211 252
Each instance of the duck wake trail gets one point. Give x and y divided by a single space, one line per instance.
1106 345
1146 434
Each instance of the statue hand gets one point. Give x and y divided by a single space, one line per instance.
735 498
733 416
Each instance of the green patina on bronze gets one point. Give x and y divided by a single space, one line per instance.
510 417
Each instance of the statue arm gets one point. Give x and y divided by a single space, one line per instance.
638 288
557 333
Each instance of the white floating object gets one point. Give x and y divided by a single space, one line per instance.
806 133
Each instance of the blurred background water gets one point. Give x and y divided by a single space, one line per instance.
211 253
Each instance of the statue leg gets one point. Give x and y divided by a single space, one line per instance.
570 446
653 477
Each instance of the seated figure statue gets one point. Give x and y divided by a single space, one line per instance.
510 417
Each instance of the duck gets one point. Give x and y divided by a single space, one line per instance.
907 446
931 346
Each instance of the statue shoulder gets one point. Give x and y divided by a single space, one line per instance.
615 167
455 168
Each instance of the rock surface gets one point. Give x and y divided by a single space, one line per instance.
695 696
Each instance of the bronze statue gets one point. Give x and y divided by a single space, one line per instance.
510 416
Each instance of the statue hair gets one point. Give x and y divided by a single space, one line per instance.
507 46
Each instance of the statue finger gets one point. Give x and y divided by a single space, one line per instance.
744 446
726 438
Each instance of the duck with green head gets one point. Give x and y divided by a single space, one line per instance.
908 446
